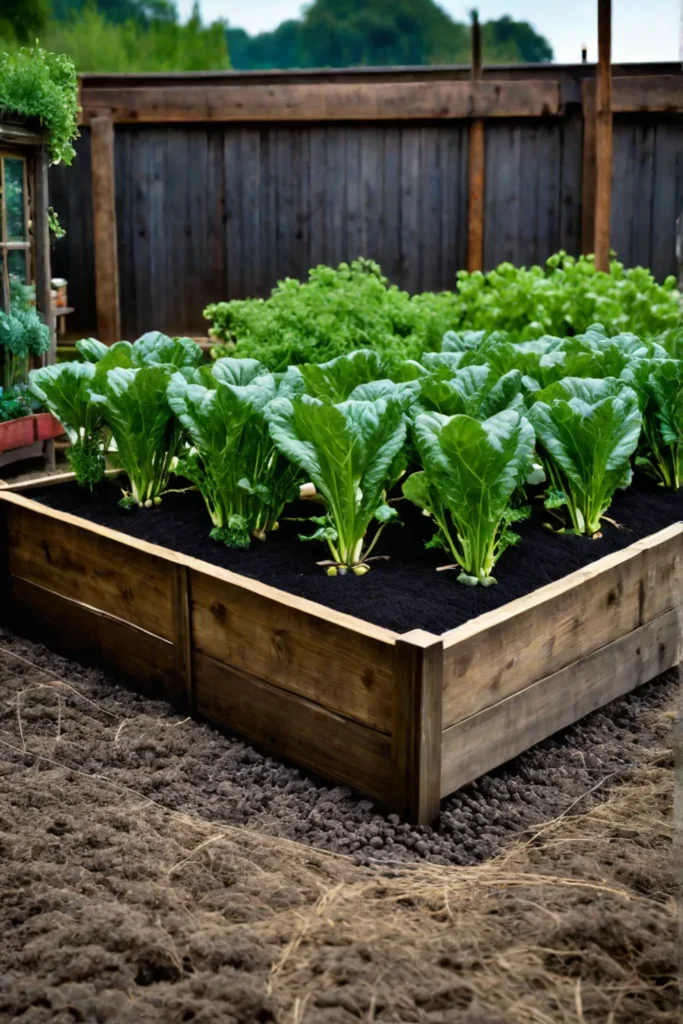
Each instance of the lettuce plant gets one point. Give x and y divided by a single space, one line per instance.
587 431
133 404
471 391
64 389
244 480
352 452
471 470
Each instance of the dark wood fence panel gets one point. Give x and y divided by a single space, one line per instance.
73 256
533 190
647 191
223 209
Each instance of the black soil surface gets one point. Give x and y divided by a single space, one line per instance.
93 724
402 593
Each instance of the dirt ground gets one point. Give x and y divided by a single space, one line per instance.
149 874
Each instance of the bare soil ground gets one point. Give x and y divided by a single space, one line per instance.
149 874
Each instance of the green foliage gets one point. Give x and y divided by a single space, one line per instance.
136 37
352 453
475 391
472 468
37 84
564 298
22 334
133 404
23 19
345 33
333 313
659 385
64 389
587 430
244 480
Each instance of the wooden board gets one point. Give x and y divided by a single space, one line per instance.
367 101
506 650
92 569
660 94
491 737
92 637
293 728
342 669
104 233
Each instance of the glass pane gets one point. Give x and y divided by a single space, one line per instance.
16 268
14 199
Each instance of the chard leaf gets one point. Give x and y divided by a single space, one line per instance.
335 380
91 349
155 348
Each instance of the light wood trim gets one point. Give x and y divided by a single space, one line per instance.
292 727
312 608
416 726
104 228
490 738
327 101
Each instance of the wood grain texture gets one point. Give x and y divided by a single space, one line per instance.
662 94
495 735
475 209
104 229
182 636
41 233
337 667
93 637
91 569
506 650
366 101
662 582
603 138
287 725
416 727
588 180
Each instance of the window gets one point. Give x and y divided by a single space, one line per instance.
14 226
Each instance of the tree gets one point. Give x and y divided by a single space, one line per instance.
23 19
359 33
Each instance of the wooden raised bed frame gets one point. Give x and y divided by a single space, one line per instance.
405 718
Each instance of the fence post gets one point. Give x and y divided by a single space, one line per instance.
476 166
416 726
603 137
104 225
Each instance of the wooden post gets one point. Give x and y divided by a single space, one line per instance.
43 273
416 727
476 165
588 168
603 137
104 224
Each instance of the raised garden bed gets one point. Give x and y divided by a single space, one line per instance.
405 716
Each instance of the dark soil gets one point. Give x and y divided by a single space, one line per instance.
402 593
127 894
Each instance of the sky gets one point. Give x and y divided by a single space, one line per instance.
640 31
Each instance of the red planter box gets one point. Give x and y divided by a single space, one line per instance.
28 430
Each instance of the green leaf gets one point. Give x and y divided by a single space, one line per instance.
91 349
335 380
155 348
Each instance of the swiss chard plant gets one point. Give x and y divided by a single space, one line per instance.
133 404
64 389
471 391
243 478
659 385
471 470
352 452
587 431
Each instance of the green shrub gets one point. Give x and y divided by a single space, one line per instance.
35 83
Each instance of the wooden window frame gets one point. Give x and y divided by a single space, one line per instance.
7 246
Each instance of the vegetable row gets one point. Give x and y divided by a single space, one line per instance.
472 434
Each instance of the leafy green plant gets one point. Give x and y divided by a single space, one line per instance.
133 404
244 480
352 452
475 391
22 334
64 389
35 83
659 385
587 431
471 470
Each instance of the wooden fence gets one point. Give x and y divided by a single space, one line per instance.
188 189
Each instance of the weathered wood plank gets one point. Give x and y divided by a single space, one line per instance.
588 179
91 569
504 651
416 726
495 735
291 727
662 582
104 224
603 137
366 101
91 636
656 94
336 667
